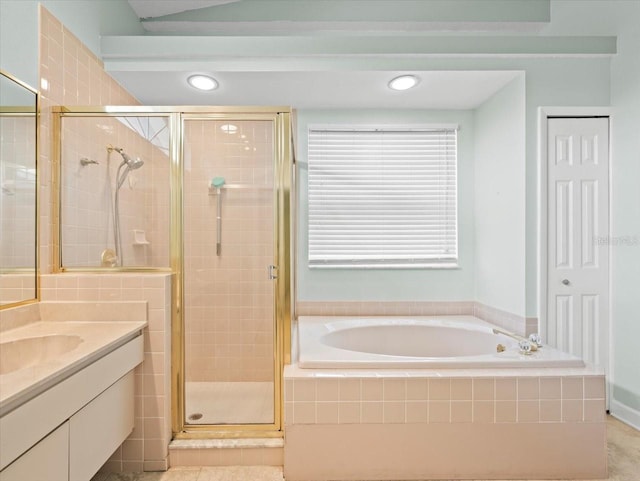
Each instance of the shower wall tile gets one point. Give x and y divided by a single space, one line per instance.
229 298
88 194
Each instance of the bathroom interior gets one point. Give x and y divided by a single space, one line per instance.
169 303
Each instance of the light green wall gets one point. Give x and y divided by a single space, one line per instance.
394 284
87 20
499 199
625 220
19 40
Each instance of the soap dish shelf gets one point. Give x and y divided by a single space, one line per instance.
140 238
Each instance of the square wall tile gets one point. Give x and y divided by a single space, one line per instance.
417 389
550 410
483 411
572 410
394 389
483 389
349 412
594 410
439 389
572 388
528 388
528 411
349 389
394 412
594 387
506 411
327 390
461 389
304 412
550 388
461 411
417 412
371 412
304 390
439 411
506 389
327 412
372 389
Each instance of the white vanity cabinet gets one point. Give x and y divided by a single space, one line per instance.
97 430
46 461
68 431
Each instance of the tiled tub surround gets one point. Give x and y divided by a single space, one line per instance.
512 322
499 423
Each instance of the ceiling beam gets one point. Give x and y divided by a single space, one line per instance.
369 10
268 53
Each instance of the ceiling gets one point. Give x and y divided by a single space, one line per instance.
156 8
273 83
436 90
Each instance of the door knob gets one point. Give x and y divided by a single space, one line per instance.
566 282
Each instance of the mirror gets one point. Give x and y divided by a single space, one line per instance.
18 192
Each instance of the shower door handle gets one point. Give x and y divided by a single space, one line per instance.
273 272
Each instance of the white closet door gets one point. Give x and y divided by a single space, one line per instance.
578 228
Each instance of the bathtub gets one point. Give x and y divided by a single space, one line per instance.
416 343
431 398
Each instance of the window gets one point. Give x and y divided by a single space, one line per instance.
382 197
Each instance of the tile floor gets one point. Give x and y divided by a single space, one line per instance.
624 464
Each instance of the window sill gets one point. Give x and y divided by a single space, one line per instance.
443 266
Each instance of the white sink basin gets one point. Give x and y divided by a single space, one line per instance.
30 351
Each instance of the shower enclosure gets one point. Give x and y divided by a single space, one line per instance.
114 191
209 188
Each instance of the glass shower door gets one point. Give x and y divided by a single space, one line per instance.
229 315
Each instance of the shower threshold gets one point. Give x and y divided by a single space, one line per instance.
229 403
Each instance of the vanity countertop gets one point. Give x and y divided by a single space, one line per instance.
74 345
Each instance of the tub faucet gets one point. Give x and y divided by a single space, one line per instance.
522 342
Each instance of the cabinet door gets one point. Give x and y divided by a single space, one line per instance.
46 461
99 428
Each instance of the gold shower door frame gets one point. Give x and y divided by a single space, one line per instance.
283 178
282 255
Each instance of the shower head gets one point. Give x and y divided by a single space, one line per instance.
132 164
128 163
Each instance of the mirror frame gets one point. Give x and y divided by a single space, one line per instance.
36 266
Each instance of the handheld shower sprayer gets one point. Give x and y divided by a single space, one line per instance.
128 164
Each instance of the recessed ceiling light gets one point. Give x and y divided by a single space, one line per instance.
202 82
404 82
229 128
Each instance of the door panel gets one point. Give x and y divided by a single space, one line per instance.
578 220
229 229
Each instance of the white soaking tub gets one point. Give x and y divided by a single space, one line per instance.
432 342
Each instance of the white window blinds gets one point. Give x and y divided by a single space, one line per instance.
382 197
